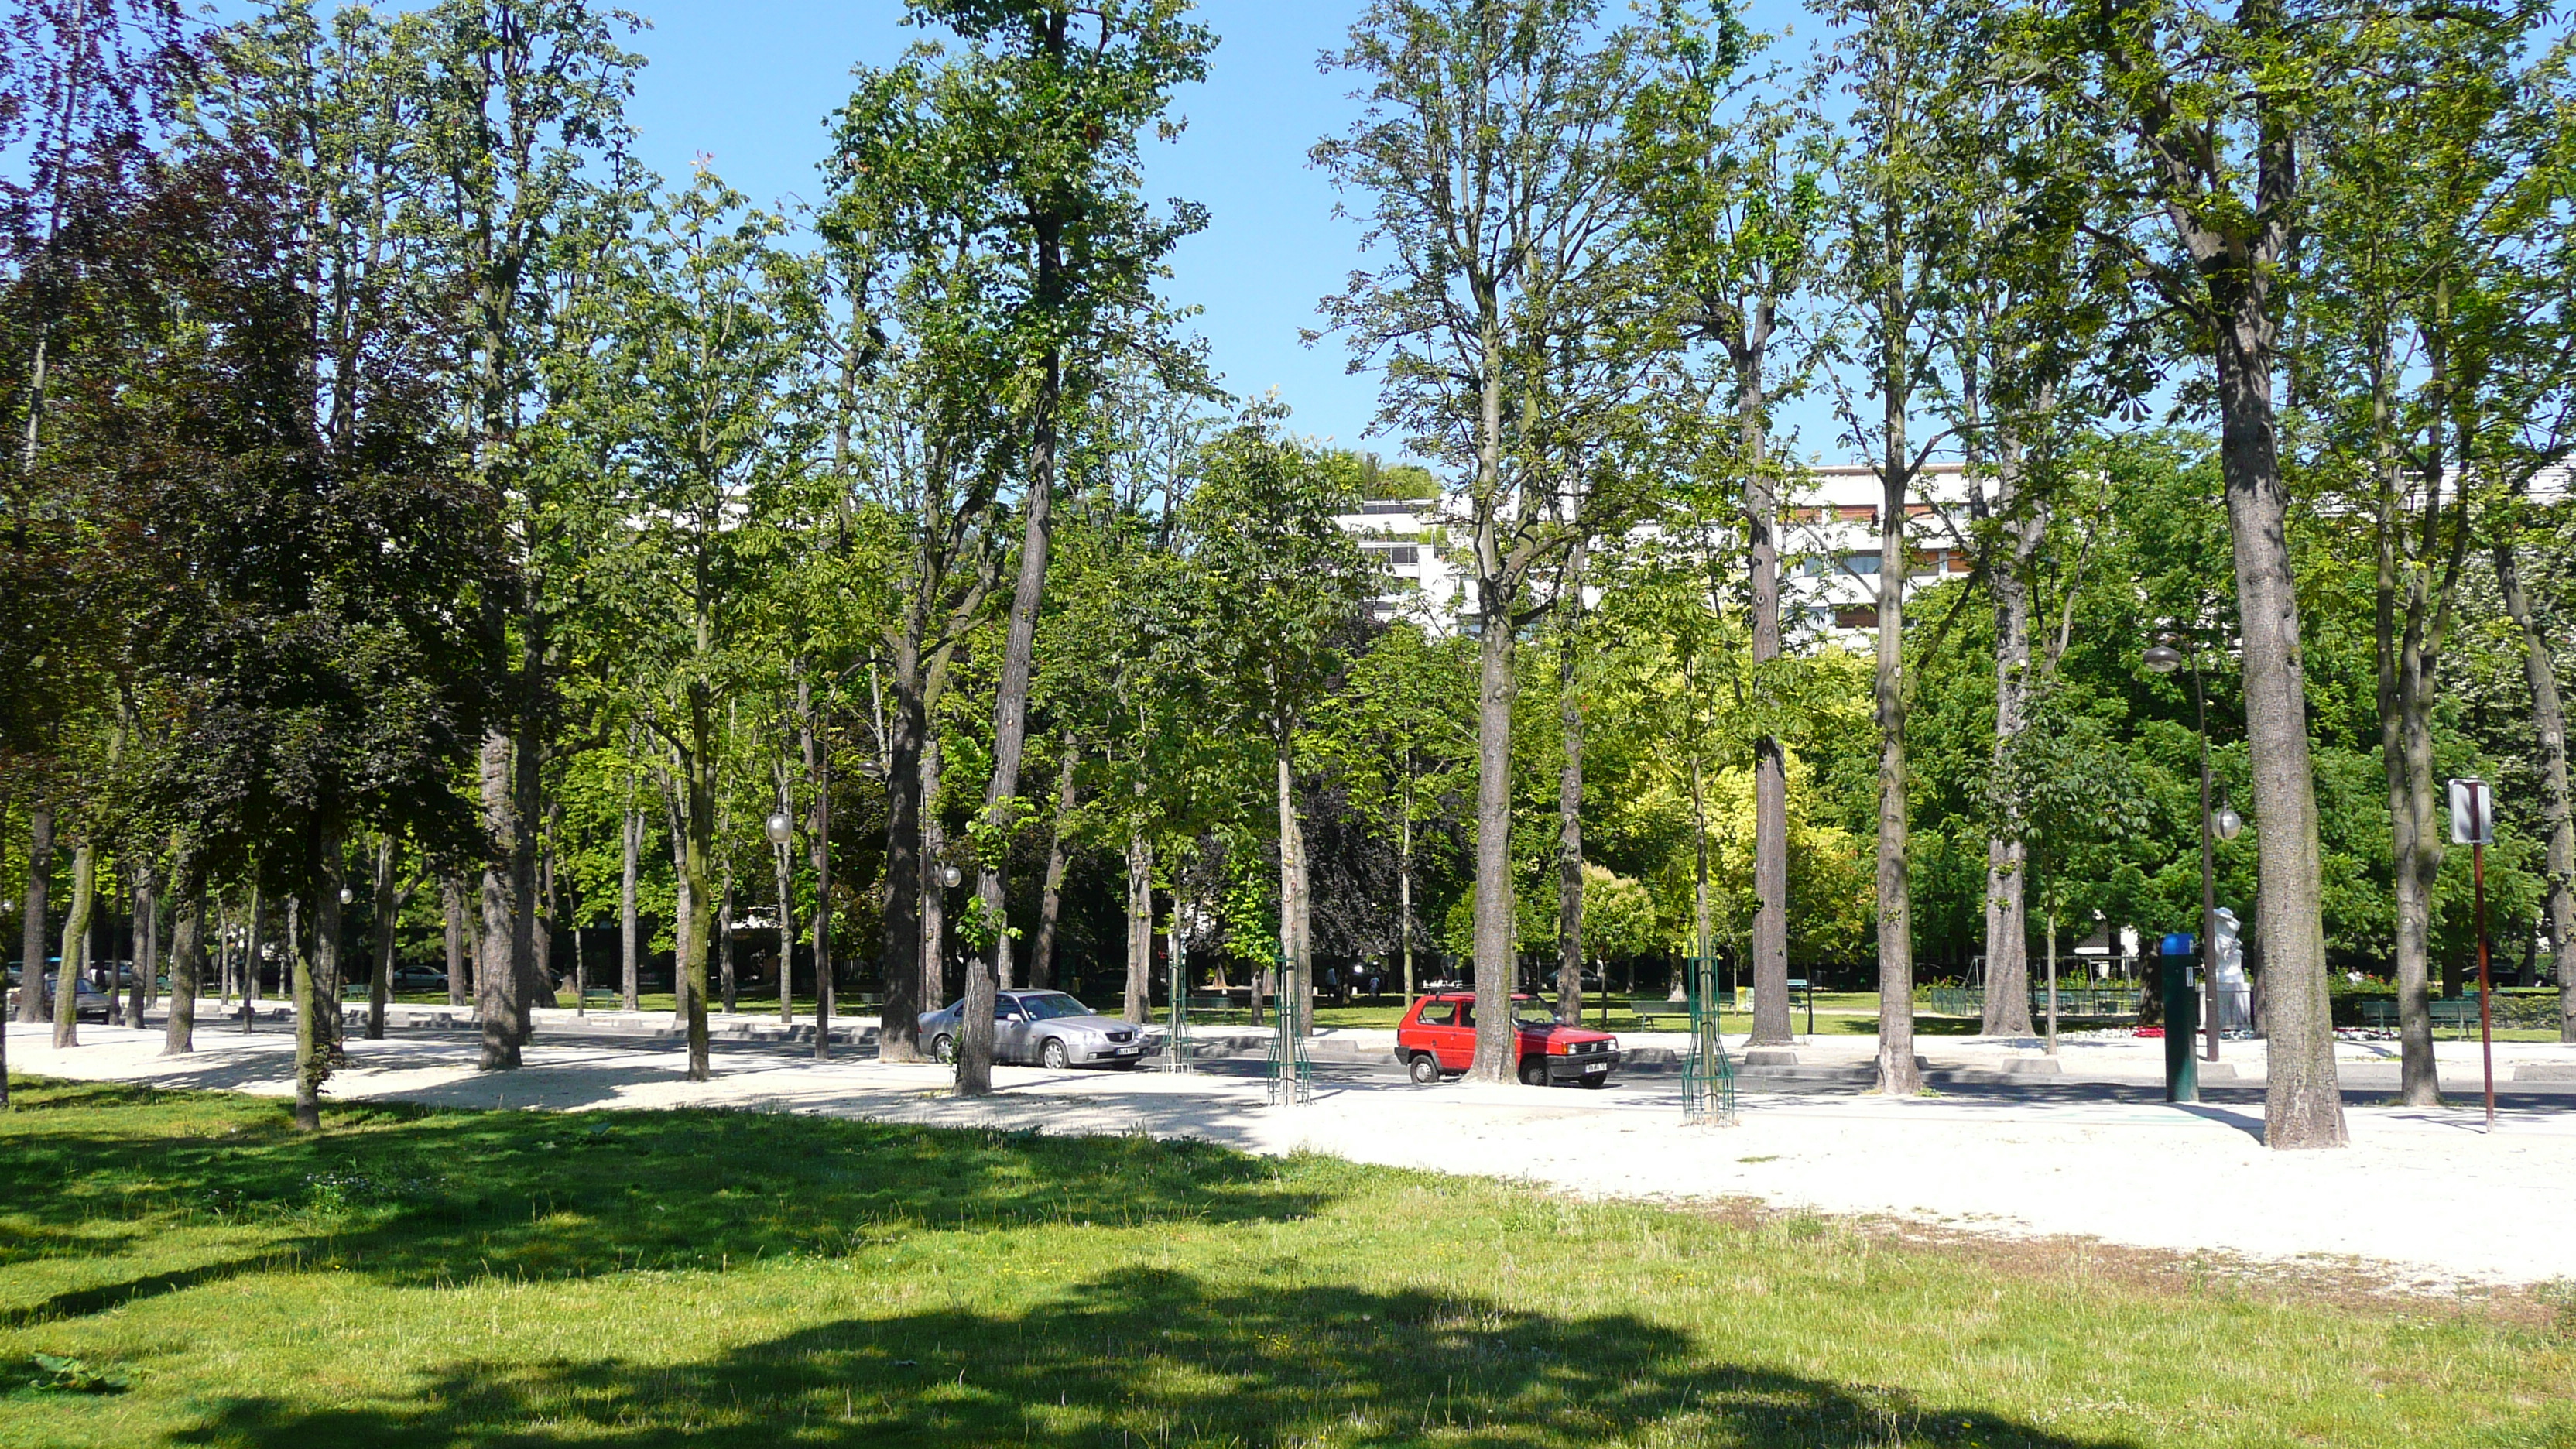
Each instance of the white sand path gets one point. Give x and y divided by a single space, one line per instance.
2421 1197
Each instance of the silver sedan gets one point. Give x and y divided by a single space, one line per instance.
1047 1028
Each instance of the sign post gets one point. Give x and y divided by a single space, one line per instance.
2473 825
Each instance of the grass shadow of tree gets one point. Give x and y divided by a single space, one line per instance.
412 1196
1156 1357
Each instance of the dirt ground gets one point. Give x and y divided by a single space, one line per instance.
2422 1199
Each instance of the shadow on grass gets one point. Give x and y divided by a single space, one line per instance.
1147 1358
411 1195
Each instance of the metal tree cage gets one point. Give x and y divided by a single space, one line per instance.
1708 1084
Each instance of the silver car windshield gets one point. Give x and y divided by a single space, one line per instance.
1052 1004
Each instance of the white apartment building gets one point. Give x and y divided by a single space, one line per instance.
1829 549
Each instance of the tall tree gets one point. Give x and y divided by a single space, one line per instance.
1275 592
2425 293
1735 203
2215 102
709 370
1489 147
1893 222
293 559
1057 99
521 126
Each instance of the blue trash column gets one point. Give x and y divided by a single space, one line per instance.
2182 1017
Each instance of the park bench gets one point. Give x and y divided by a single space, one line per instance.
1217 1007
1649 1009
2460 1014
602 998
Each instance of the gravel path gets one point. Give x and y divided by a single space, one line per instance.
2423 1197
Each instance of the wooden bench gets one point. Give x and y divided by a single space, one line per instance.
602 998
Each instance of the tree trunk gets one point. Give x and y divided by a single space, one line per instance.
899 950
630 925
147 946
1699 884
1051 900
818 850
698 777
380 978
1770 939
2549 722
933 946
724 934
549 982
75 962
675 805
317 973
1019 646
783 863
1296 913
451 905
2303 1103
1140 928
2415 841
33 940
252 948
1569 796
1897 1076
1404 882
1498 686
187 946
497 982
2007 1010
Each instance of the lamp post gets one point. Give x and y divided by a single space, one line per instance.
782 835
2221 823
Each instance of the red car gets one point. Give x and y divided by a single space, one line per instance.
1438 1036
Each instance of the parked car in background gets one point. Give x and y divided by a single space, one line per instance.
419 978
1047 1028
87 1000
1438 1038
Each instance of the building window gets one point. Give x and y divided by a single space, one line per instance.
1857 616
1860 563
1403 558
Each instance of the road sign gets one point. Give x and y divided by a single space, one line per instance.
2472 813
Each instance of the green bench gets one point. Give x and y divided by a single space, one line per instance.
1218 1006
1650 1009
2459 1013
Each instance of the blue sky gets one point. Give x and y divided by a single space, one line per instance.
748 87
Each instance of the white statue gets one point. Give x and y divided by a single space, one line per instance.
2231 998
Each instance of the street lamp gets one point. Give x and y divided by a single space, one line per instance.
949 876
781 829
2221 823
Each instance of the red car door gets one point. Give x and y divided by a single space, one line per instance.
1453 1032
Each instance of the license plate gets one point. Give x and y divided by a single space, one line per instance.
1129 1051
1596 1067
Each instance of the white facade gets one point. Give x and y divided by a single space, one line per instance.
1829 550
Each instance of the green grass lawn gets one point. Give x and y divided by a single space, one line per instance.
414 1279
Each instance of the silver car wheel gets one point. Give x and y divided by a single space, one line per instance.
1054 1056
943 1048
